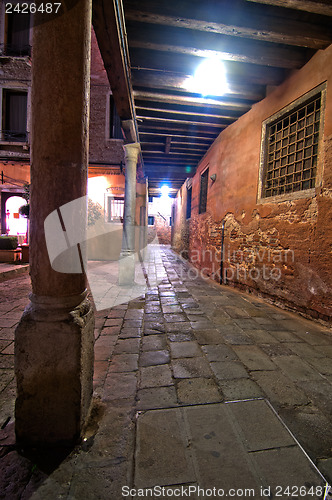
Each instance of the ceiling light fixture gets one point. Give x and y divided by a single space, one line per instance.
164 190
209 78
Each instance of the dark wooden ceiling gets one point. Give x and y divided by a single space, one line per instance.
260 42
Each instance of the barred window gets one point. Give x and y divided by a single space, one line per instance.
203 191
115 208
291 148
188 207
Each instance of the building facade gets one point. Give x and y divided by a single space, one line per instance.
257 213
106 180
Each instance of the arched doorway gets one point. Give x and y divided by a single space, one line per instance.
16 224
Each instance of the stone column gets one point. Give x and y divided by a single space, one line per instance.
143 220
54 339
127 256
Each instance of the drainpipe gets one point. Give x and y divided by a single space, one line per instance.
222 252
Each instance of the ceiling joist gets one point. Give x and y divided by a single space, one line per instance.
150 49
231 19
323 8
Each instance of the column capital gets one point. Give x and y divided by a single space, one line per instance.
132 150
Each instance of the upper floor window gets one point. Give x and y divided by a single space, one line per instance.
115 131
17 34
14 112
203 191
290 147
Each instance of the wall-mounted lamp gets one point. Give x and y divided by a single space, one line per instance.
213 177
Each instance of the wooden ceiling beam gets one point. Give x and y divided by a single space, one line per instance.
175 181
186 114
315 7
228 48
176 149
172 170
160 146
212 103
170 155
231 20
190 138
182 63
107 26
168 144
172 129
186 108
170 160
151 165
144 79
152 149
149 120
158 141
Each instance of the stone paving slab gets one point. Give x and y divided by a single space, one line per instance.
226 445
254 358
215 345
241 388
198 391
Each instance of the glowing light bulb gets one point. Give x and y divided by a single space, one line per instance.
164 190
209 78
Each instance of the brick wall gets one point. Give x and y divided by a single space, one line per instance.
101 148
280 250
161 230
180 230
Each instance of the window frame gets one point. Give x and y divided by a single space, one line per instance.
204 174
7 32
282 113
3 113
108 215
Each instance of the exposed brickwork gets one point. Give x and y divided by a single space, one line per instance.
180 233
101 149
281 250
162 230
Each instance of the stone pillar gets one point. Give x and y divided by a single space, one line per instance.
54 339
127 256
143 234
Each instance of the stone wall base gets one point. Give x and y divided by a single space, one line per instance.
54 354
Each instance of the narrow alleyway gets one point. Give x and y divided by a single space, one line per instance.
188 343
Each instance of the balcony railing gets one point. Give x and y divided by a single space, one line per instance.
12 50
14 136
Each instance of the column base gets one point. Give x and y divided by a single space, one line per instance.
127 268
54 355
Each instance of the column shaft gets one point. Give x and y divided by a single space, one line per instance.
54 339
127 257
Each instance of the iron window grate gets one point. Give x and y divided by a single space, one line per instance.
292 150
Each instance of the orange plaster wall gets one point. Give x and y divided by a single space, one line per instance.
302 226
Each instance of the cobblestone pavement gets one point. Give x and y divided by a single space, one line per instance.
189 341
